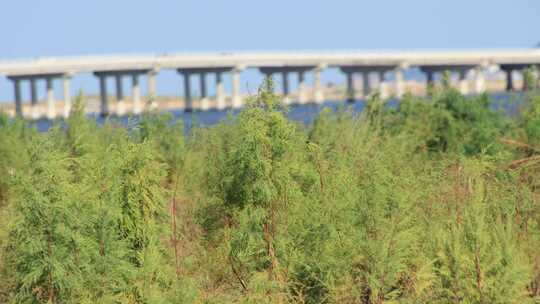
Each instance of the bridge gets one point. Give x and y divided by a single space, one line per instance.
464 64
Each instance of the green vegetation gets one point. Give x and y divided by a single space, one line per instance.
434 201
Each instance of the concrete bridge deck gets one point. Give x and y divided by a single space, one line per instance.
373 66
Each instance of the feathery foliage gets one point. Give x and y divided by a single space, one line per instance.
435 200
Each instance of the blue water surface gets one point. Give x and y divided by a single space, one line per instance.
509 103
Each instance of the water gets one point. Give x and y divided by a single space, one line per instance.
303 113
510 103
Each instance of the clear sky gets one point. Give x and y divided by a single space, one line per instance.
37 28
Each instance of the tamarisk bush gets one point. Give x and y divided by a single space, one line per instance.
434 200
256 187
44 243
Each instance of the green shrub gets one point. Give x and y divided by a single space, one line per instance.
436 200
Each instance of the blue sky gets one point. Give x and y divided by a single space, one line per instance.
38 28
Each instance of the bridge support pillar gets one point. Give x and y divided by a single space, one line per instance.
67 95
136 94
152 95
220 92
523 79
317 85
104 106
285 86
463 82
479 80
236 97
509 80
18 99
383 86
204 103
366 89
120 104
302 98
350 86
430 78
399 82
188 103
34 99
269 75
51 109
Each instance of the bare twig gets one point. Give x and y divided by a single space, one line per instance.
523 161
237 275
520 145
